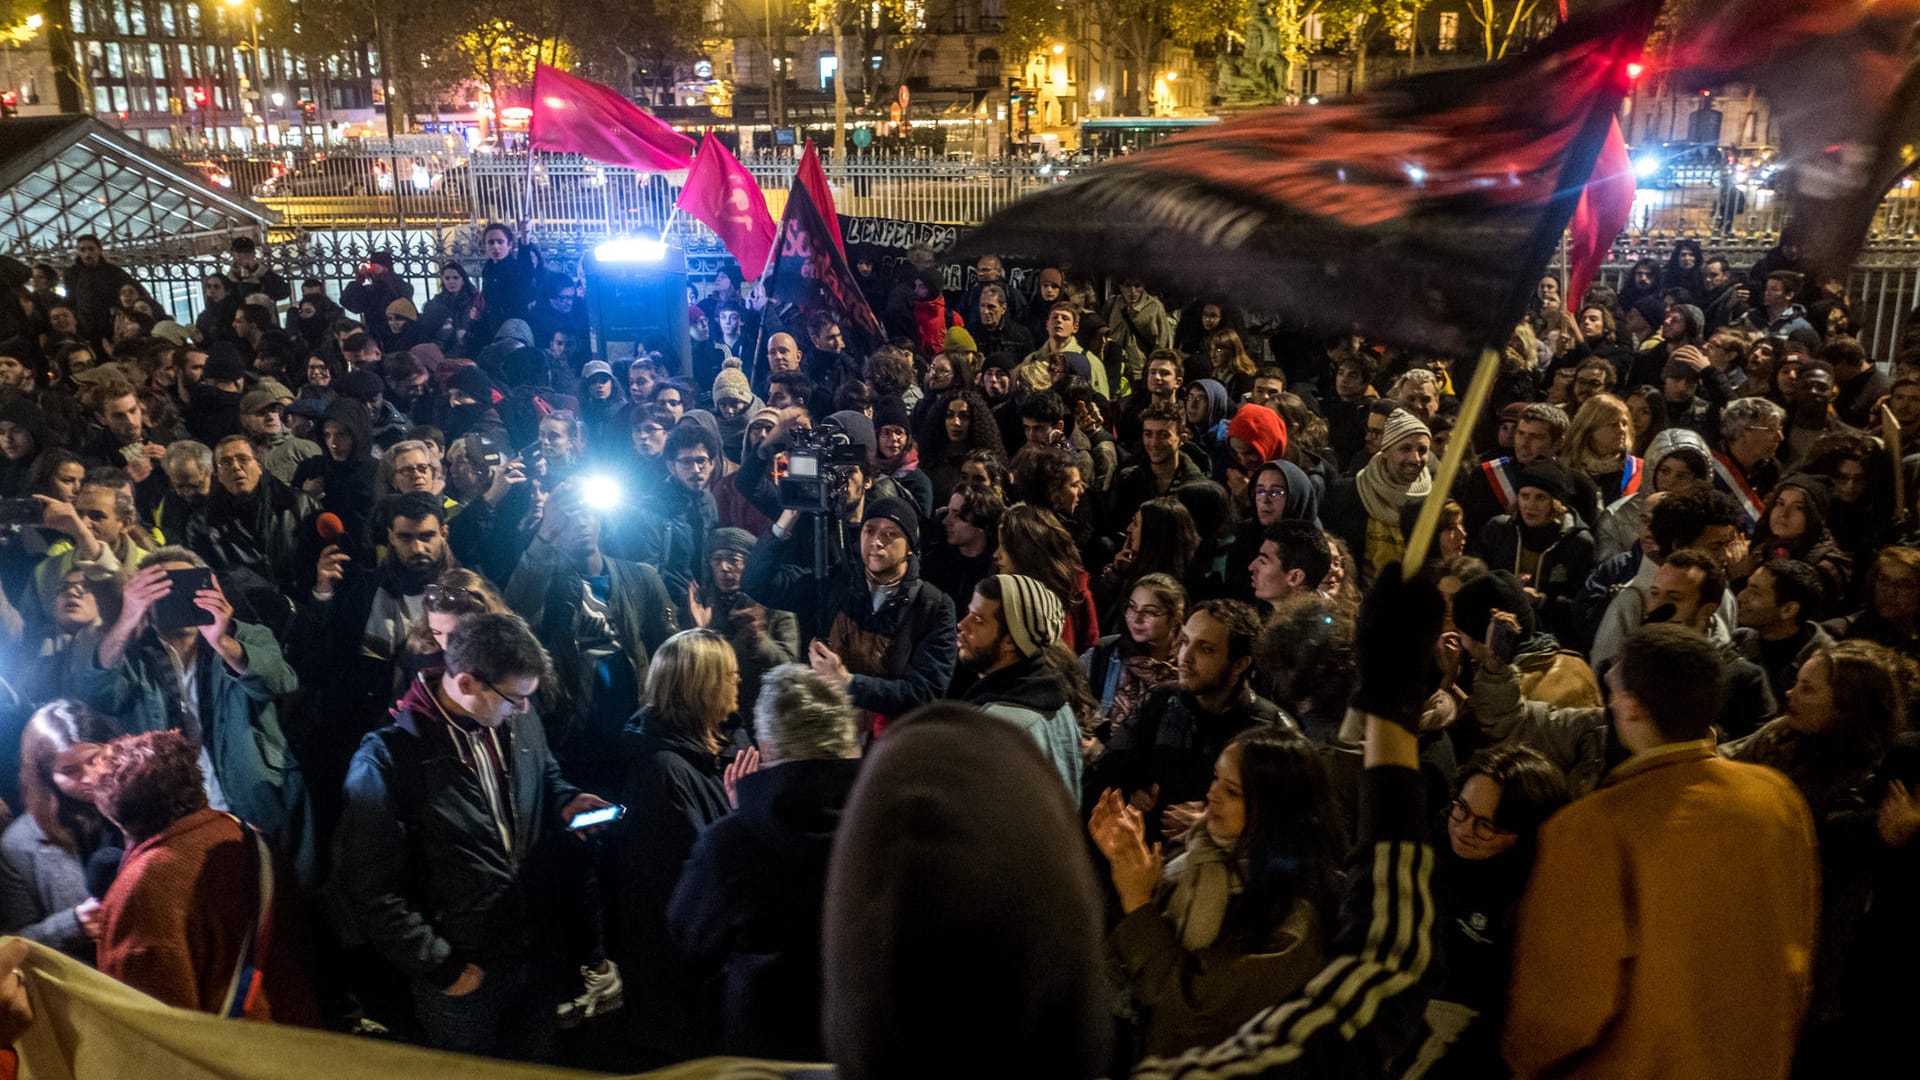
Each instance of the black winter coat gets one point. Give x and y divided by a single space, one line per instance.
747 912
419 866
672 793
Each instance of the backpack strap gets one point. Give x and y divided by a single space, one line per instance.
244 985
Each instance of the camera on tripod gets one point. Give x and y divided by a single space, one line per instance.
819 461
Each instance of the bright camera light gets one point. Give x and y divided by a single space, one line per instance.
630 249
599 492
1644 167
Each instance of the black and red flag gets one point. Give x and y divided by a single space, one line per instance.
1843 88
1422 213
808 274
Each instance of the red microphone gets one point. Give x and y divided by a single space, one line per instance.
330 527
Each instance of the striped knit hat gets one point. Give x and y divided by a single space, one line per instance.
1033 615
1401 425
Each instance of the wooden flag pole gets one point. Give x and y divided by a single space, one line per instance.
1463 425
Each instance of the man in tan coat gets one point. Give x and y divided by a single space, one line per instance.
1668 928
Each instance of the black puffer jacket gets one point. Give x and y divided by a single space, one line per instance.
420 870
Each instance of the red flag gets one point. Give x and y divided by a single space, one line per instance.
1606 204
723 194
814 178
572 115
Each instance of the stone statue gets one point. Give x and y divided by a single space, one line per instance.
1259 75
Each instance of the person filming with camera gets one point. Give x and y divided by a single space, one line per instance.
876 628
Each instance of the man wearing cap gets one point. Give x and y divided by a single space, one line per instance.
762 637
877 628
733 404
1364 509
365 386
603 409
1010 640
1543 545
213 409
263 419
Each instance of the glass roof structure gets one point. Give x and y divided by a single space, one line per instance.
63 177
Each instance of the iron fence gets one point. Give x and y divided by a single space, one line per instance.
429 205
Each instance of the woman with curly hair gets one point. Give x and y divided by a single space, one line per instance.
1599 445
958 424
1035 544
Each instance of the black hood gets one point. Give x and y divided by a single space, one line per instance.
1026 683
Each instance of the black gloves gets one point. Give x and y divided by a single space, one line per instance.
1394 643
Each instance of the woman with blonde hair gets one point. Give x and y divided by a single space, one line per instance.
43 854
1232 365
1599 443
673 791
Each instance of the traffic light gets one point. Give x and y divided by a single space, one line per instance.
199 96
307 109
9 103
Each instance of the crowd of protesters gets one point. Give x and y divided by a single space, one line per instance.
517 680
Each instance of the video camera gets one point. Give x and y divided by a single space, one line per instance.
818 462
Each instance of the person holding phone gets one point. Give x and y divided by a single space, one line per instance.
450 832
177 659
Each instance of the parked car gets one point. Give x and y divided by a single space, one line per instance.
332 175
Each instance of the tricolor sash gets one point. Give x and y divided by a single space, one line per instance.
1728 477
1630 476
1503 476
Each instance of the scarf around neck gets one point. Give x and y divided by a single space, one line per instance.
1383 496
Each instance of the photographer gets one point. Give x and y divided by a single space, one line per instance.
218 683
601 618
373 288
877 629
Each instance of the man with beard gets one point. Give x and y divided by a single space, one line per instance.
122 439
350 635
93 288
668 527
1010 639
602 618
1364 509
189 469
248 530
1162 758
263 419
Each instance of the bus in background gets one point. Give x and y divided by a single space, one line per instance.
1106 136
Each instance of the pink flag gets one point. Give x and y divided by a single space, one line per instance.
1606 204
814 178
722 193
575 116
